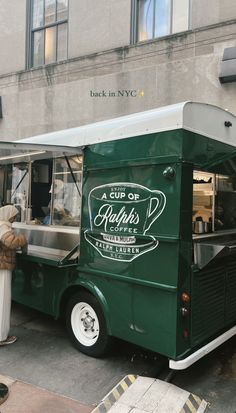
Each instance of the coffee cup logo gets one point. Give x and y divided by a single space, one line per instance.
120 215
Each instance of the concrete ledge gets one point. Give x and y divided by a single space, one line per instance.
111 398
148 395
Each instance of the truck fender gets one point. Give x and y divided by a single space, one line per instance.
89 286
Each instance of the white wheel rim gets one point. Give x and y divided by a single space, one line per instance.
85 324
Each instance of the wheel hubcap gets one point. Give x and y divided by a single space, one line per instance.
85 324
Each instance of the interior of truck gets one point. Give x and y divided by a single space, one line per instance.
45 191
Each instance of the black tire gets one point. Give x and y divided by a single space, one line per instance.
86 325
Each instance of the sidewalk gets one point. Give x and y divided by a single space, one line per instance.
133 394
25 397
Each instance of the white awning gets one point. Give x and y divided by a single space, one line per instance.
207 120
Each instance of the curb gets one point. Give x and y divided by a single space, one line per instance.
114 395
193 404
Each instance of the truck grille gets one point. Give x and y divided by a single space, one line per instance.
230 302
213 299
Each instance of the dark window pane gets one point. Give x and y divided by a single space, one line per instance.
145 19
37 13
50 11
38 48
62 42
50 45
62 9
162 18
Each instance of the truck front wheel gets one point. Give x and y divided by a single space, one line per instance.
86 325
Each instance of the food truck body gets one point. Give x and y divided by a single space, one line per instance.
132 229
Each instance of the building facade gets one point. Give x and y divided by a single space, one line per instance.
66 63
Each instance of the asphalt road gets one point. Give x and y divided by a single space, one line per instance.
44 356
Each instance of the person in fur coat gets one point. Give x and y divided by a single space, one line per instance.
9 242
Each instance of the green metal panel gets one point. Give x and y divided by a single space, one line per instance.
185 257
141 291
205 153
39 285
115 297
142 149
200 151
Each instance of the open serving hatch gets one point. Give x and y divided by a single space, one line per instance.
44 183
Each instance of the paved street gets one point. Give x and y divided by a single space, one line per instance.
43 356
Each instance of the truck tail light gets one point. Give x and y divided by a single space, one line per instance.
185 298
185 333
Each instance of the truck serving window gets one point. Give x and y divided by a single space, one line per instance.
214 202
45 191
66 191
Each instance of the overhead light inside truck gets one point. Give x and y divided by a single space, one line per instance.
21 155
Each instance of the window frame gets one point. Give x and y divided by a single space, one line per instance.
135 26
31 30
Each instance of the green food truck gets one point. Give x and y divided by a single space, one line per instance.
131 227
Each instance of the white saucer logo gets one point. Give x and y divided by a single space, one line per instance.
120 215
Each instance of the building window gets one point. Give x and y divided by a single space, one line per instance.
49 22
157 18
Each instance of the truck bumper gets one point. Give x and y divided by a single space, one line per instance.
188 361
